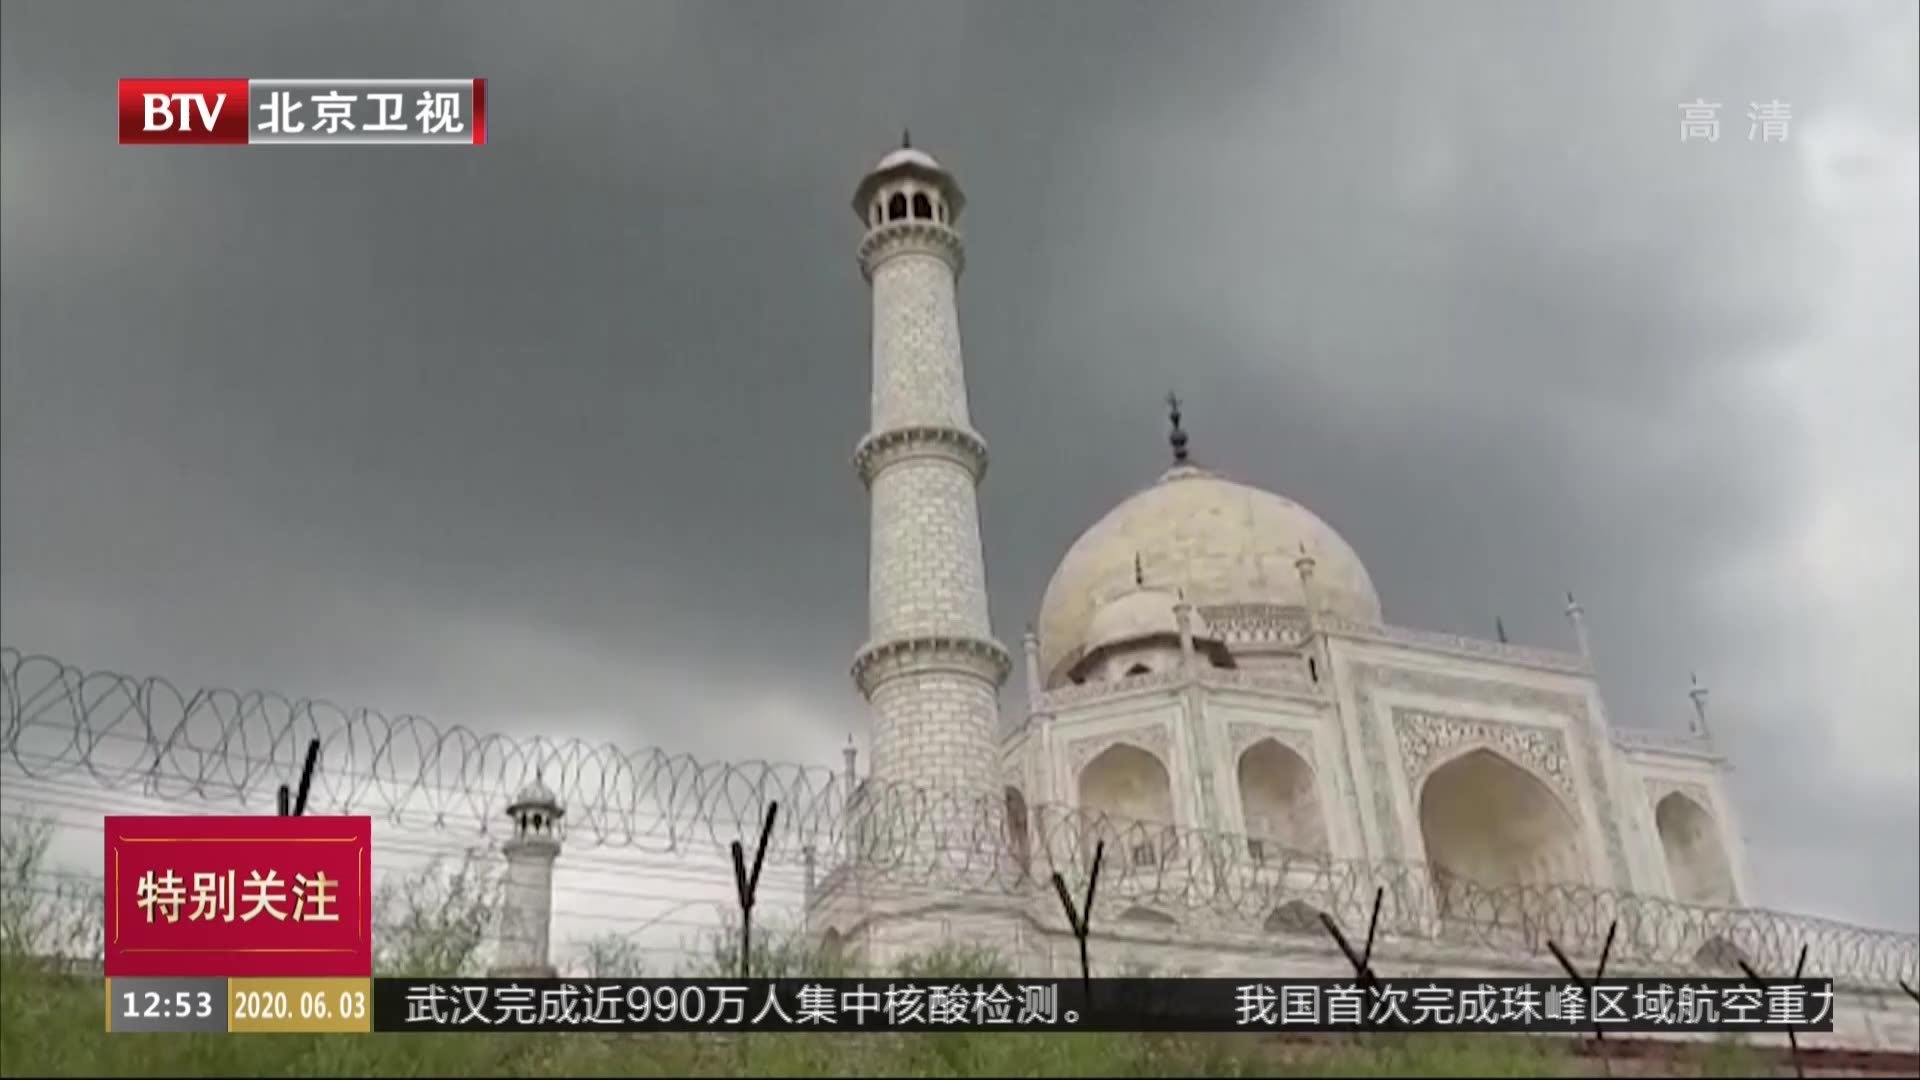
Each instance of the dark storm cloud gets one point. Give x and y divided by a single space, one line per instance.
554 434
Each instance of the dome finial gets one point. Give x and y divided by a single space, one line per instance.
1699 695
1177 437
1139 573
906 139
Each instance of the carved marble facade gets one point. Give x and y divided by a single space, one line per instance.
1428 740
1382 713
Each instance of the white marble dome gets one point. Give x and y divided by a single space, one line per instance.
1216 540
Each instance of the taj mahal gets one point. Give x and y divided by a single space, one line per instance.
1214 703
1212 655
1211 668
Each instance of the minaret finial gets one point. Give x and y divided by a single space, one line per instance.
1500 629
906 139
1177 437
1578 616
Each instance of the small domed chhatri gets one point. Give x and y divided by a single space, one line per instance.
907 184
1138 614
1140 632
1207 656
536 794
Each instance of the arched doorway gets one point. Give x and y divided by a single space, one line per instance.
1293 917
1279 802
1719 954
1488 822
1696 862
1019 841
1130 789
833 959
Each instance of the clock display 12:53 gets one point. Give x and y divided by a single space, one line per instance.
153 1005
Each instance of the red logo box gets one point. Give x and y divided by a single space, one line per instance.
239 896
183 111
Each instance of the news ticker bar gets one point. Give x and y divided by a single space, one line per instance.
256 112
923 1005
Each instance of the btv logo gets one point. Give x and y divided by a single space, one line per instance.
183 111
160 111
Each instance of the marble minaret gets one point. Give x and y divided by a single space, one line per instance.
930 669
526 901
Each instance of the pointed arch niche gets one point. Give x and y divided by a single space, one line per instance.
1019 837
1279 801
1488 822
1697 864
1132 786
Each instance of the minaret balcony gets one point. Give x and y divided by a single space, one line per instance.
978 656
894 238
959 445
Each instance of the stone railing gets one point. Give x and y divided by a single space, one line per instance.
1068 696
1273 681
1286 627
1666 742
1254 623
1460 645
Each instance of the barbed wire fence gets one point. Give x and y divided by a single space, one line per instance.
436 895
73 733
652 901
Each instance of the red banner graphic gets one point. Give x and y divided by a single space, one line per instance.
239 896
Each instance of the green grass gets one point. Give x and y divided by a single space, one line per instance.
54 1026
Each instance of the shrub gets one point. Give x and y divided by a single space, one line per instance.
44 915
435 922
610 956
781 950
951 961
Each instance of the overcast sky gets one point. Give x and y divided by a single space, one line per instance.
552 435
